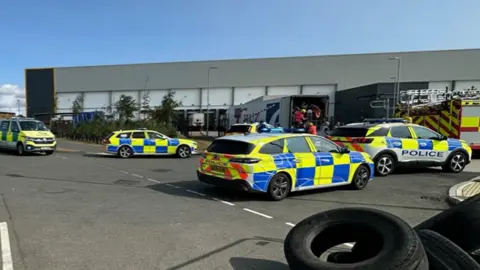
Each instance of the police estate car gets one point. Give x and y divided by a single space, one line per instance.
277 164
396 142
127 143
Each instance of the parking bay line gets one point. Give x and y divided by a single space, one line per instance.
196 193
222 201
257 213
7 263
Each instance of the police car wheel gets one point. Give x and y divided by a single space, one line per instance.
384 165
184 151
456 163
20 150
279 187
125 152
361 177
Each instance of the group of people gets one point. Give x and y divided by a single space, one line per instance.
306 116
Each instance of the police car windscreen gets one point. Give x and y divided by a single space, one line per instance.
349 132
239 129
230 147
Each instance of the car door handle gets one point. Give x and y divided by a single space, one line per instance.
297 160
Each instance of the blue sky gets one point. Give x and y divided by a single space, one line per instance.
68 33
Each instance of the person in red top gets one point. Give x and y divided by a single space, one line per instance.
316 112
312 129
299 117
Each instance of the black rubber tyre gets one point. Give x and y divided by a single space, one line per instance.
456 163
20 150
125 152
279 187
184 151
384 164
384 250
460 224
443 254
361 177
48 153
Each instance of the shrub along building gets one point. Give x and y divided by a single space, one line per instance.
214 86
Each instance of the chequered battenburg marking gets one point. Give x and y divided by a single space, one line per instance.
454 144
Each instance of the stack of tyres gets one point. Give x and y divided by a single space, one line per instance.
447 241
452 238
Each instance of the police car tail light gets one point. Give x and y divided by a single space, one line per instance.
362 140
106 141
245 160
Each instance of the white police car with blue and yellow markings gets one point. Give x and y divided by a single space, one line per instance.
396 142
127 143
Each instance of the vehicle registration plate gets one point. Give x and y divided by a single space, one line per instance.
217 168
45 148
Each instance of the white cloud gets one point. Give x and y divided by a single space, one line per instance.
10 96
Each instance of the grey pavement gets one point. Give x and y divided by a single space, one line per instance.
75 210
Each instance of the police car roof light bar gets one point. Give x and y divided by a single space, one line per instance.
385 120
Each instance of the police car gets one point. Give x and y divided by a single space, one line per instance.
396 142
256 128
276 164
127 143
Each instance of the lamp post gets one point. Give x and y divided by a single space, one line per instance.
208 97
397 86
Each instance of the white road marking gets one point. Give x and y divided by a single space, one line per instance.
225 202
123 172
153 180
170 185
137 175
257 213
290 224
196 193
7 263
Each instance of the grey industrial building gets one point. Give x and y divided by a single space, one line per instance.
346 79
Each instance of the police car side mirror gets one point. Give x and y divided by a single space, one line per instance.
344 150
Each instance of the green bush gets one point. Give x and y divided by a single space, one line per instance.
98 129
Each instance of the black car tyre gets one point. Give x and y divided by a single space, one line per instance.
456 163
361 177
125 152
384 250
384 164
184 151
279 187
460 224
443 254
20 149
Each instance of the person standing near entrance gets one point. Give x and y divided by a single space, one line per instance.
312 129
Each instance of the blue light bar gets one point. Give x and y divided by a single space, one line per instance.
385 120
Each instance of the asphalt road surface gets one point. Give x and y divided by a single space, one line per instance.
80 210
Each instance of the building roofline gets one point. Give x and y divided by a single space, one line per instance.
398 53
